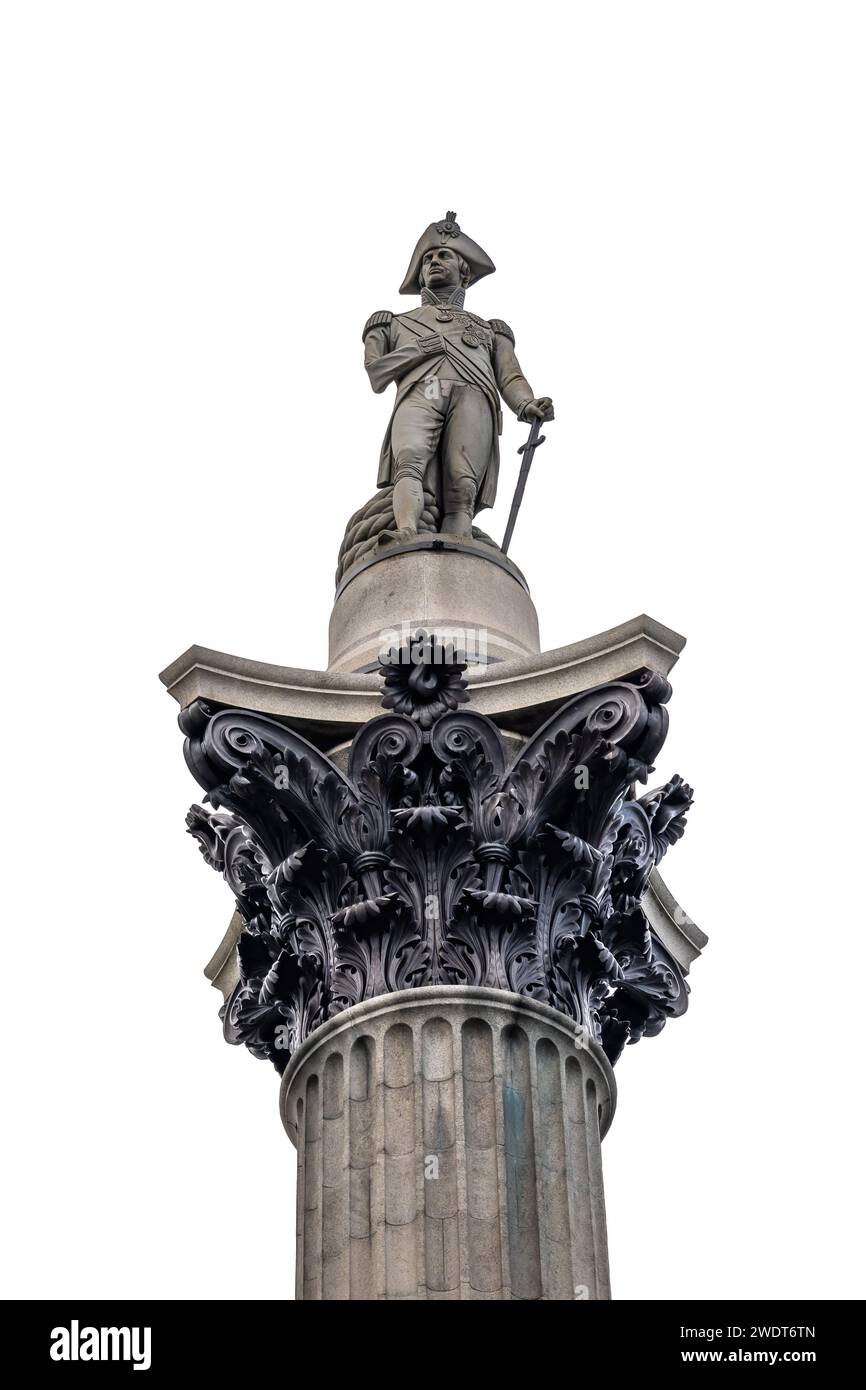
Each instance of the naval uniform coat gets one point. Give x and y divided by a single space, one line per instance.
477 351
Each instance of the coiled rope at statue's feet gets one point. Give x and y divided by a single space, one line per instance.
377 515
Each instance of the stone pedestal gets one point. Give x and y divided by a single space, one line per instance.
467 593
449 1147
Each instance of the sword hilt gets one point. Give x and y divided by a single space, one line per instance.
532 443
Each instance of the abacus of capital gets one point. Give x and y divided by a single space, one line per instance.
449 916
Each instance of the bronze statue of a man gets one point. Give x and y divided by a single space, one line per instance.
451 367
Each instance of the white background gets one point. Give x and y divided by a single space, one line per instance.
203 204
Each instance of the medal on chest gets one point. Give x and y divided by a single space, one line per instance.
475 332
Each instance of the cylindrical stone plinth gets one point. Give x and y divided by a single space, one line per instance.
449 1147
467 593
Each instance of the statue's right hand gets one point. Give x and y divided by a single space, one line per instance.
434 344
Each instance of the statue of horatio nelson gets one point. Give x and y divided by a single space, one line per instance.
440 456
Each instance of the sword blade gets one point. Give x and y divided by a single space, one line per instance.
527 450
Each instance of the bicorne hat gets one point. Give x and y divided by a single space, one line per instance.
446 233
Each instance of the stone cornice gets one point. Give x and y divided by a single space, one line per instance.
329 707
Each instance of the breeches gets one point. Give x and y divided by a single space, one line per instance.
450 416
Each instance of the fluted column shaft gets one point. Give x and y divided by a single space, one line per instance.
449 1147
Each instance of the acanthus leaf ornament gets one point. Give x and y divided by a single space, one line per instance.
439 858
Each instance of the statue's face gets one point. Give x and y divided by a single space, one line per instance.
440 269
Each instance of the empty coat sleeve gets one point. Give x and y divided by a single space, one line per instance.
383 364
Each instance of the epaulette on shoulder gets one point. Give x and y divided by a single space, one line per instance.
500 326
380 319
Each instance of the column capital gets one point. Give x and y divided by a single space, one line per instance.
444 853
